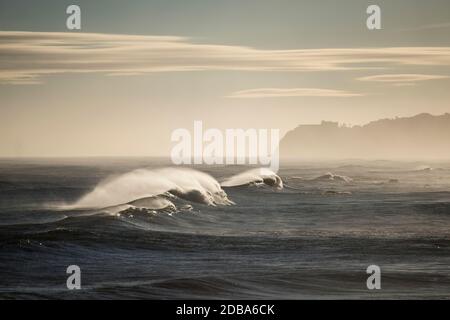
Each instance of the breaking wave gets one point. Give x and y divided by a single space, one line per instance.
328 177
155 189
254 177
423 168
333 177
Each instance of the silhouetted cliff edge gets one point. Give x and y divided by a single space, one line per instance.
421 136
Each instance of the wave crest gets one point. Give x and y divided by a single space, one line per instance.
184 183
254 176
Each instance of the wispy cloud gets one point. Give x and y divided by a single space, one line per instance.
402 79
27 56
292 92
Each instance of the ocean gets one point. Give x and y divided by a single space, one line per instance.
310 235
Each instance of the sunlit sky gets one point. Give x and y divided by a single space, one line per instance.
137 70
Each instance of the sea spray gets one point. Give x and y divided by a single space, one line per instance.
188 184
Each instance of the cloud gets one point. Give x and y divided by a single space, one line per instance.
292 92
402 79
27 56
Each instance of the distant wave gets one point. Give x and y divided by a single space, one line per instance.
333 177
424 168
154 189
254 176
328 177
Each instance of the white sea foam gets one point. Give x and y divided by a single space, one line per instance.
328 177
154 203
423 168
333 177
254 176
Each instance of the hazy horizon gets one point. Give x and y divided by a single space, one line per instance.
287 156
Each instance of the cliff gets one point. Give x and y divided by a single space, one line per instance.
421 136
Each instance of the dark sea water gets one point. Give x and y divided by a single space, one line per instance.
313 239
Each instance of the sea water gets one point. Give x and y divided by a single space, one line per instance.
311 235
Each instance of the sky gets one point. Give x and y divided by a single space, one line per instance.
138 70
